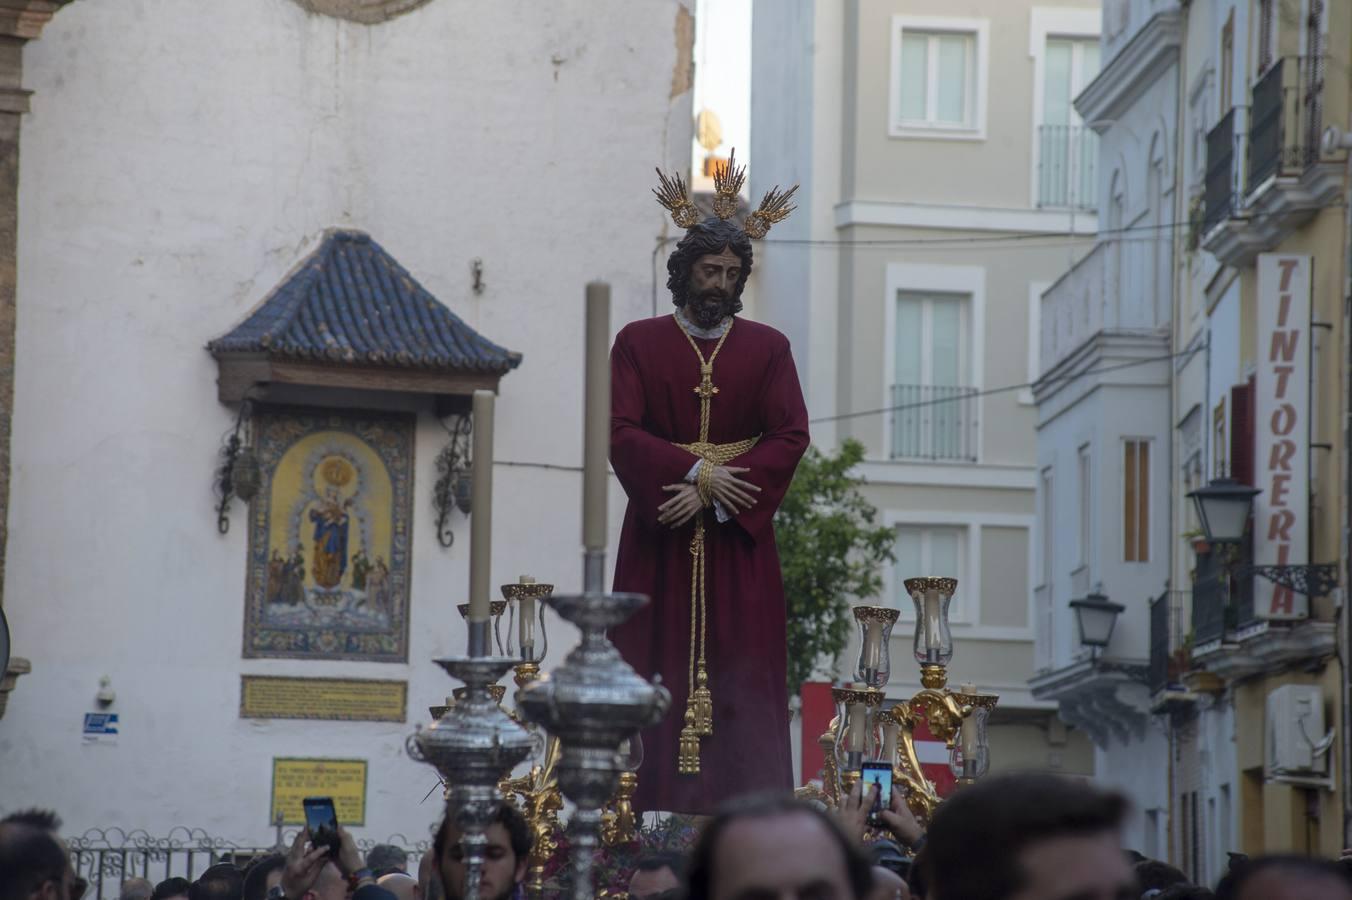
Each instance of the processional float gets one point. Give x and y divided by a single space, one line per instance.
579 724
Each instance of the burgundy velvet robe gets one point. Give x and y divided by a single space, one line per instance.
653 375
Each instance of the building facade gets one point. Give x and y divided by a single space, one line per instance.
946 181
1103 422
1200 347
1250 678
181 164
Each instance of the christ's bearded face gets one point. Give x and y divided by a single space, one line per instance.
712 294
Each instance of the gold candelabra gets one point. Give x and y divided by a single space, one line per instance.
867 728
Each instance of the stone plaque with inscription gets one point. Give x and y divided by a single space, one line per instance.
343 699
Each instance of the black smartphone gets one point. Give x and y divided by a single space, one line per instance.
322 821
879 773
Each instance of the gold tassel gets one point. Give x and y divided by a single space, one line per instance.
703 703
688 760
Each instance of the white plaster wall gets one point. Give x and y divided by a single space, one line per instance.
1137 768
181 157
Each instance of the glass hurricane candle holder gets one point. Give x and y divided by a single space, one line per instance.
527 624
855 739
875 637
970 756
933 639
495 609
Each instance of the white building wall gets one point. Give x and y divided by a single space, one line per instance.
179 160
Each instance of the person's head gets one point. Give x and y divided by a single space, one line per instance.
262 875
708 270
136 889
173 889
382 859
1043 836
1153 875
1285 878
888 855
774 846
220 882
656 875
33 861
402 886
505 858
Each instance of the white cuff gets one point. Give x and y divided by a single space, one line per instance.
720 513
693 475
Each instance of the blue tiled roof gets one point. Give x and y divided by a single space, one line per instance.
350 302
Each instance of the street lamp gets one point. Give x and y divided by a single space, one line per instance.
1223 509
1096 615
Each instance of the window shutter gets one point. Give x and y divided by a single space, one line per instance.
1265 22
1241 432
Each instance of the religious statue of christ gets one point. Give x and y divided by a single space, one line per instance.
707 427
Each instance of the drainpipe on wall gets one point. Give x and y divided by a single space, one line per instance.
1175 325
1345 633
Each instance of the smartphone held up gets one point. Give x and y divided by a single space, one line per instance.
879 774
321 819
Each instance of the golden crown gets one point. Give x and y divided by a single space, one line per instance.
674 195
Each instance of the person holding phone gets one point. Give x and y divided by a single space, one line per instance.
326 870
857 812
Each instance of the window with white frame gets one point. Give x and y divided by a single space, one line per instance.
938 74
1067 148
933 400
925 550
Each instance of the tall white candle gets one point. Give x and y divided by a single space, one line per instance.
890 732
481 515
857 719
596 417
970 745
526 626
873 642
933 637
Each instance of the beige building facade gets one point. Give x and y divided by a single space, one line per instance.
1251 681
947 182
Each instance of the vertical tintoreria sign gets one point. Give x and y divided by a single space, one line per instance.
1281 524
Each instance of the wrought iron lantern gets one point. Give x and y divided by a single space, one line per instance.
1096 616
452 489
246 475
1223 509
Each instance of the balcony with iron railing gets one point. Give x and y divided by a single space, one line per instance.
1067 167
1168 642
1266 172
935 422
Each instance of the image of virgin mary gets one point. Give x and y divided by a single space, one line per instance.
330 537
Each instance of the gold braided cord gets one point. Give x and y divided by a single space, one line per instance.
699 703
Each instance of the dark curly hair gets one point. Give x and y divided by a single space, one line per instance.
508 816
711 236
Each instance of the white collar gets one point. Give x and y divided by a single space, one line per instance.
707 334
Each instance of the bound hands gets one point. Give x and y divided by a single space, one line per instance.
733 493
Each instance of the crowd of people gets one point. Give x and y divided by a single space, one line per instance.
1012 837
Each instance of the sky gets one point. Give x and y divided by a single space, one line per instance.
723 72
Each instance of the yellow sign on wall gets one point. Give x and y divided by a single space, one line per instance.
345 699
294 779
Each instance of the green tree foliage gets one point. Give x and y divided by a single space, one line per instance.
832 551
